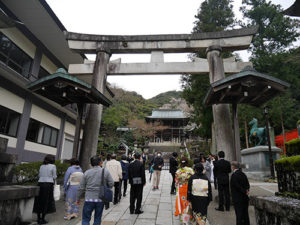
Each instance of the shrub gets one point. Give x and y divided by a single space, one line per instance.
293 147
289 163
288 175
28 173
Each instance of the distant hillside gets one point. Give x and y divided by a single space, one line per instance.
165 98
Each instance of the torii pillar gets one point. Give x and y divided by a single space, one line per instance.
93 120
221 113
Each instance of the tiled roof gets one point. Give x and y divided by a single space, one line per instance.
167 114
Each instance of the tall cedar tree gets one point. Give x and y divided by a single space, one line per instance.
213 15
269 55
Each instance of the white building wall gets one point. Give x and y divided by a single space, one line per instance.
45 117
35 147
11 101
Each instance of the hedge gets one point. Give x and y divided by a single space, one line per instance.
293 147
28 173
289 163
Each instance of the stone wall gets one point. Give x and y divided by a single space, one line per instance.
276 210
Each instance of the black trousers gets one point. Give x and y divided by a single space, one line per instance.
136 194
124 182
241 212
173 189
116 194
223 190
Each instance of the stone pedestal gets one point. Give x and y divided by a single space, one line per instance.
256 161
16 201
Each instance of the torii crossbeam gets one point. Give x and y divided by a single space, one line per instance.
157 45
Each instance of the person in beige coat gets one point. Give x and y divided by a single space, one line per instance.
115 169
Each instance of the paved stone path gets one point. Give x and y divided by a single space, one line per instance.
159 207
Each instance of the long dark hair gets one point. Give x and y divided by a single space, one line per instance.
49 159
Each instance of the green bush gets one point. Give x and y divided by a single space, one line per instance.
289 163
28 173
293 147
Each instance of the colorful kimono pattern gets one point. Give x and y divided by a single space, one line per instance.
182 204
71 185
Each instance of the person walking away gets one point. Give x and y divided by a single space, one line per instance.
129 158
44 203
239 185
222 169
213 171
124 165
173 168
108 158
90 185
182 177
206 166
211 162
115 169
71 184
137 180
158 163
199 194
144 158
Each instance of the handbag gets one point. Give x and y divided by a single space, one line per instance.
56 191
105 193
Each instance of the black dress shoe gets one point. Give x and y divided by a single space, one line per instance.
138 211
43 221
131 212
218 209
227 209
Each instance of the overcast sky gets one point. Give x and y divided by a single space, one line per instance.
130 17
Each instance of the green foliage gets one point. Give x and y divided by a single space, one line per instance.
293 147
28 173
276 31
269 55
289 163
165 97
213 15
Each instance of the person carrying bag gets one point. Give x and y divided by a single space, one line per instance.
105 194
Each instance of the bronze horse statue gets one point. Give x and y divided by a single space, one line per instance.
258 133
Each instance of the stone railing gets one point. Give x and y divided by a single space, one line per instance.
275 210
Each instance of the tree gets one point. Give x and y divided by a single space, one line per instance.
213 15
142 131
276 32
270 55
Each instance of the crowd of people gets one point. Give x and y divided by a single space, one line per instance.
191 183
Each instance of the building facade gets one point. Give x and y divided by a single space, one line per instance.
32 45
171 138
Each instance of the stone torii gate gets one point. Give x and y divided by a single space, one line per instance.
156 45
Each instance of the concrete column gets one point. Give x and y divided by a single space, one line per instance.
93 119
221 112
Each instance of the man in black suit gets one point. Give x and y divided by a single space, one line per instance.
222 169
172 170
239 185
137 180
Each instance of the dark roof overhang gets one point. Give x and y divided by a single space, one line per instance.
247 87
65 89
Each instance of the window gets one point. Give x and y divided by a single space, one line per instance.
9 121
43 72
14 57
41 133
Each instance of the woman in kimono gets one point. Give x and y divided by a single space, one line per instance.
181 177
71 185
199 194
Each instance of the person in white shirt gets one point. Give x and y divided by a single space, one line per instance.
115 169
44 203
